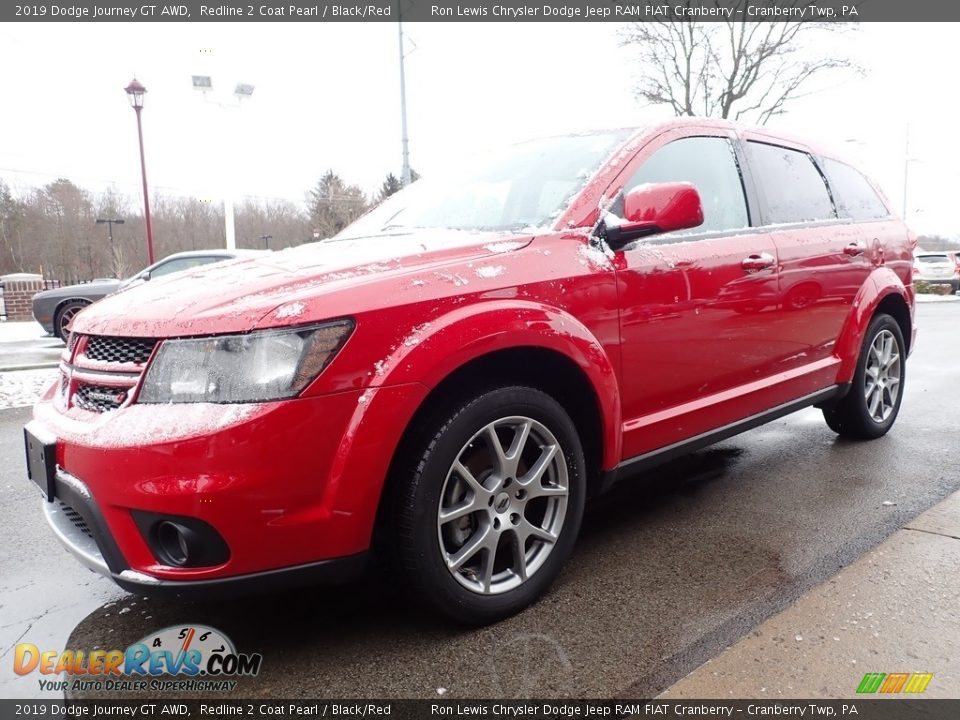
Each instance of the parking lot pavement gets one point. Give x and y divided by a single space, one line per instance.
670 569
43 592
896 609
24 345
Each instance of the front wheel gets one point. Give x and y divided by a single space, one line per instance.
65 315
492 507
871 406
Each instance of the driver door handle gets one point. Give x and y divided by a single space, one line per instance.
758 261
854 249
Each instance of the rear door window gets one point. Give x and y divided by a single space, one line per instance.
856 198
792 187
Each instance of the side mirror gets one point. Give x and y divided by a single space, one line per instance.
652 209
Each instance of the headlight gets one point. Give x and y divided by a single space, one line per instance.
256 367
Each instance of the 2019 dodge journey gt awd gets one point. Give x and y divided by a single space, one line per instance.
447 380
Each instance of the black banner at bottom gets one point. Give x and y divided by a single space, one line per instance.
867 709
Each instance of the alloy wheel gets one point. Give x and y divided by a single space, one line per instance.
882 376
502 505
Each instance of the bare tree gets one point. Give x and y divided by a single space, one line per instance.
735 69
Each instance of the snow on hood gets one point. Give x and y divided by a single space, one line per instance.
232 296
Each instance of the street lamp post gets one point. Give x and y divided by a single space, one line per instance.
135 92
241 92
110 222
266 241
405 173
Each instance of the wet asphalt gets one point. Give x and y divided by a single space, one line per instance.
671 568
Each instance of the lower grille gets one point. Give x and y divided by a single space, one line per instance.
75 518
99 398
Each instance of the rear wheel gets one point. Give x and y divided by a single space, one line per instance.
65 316
492 507
871 406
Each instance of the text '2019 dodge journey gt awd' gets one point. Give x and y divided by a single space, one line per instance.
449 378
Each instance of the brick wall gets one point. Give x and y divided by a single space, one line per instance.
18 296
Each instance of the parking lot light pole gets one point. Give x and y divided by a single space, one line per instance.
266 241
110 222
135 92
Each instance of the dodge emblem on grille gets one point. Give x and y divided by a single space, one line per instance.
106 397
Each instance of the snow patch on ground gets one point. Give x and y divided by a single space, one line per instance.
926 297
490 271
20 331
22 388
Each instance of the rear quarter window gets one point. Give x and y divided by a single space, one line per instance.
792 187
856 199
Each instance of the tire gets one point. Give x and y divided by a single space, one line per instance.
64 316
465 564
870 408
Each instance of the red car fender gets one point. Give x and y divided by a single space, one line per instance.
882 283
451 341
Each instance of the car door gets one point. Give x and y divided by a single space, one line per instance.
824 258
695 305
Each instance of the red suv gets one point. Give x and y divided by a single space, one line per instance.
447 380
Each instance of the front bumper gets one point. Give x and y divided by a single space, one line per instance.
77 523
291 487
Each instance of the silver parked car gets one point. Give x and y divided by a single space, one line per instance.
938 269
54 309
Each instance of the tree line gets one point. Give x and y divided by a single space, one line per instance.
52 230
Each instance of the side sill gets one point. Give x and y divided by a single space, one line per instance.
650 460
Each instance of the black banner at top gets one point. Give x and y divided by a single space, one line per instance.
479 11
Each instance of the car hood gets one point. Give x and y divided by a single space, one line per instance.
96 288
234 296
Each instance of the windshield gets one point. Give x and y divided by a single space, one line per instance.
525 185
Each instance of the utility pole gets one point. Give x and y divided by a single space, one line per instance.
266 241
110 222
405 173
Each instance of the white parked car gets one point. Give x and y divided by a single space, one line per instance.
937 269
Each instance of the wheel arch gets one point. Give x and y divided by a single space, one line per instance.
544 368
883 292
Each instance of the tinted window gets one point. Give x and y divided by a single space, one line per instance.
182 264
710 164
855 197
792 186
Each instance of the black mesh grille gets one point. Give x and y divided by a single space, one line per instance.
119 350
99 398
76 518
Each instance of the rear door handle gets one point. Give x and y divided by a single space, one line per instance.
758 261
854 249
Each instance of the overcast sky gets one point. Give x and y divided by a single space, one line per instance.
327 96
